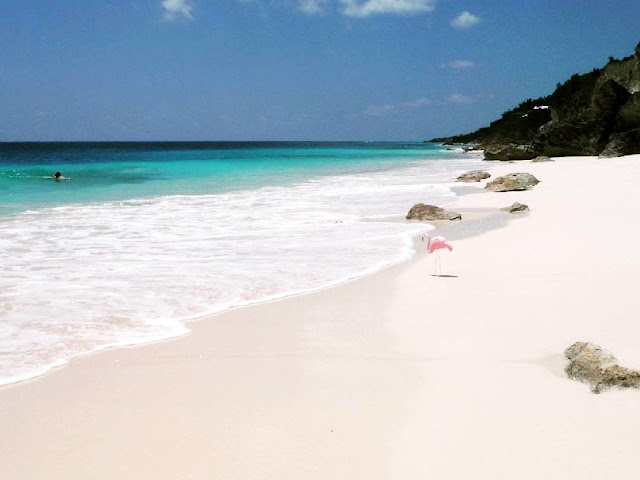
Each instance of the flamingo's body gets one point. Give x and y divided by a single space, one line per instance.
433 244
436 243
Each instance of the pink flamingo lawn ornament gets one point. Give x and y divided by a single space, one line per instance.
436 244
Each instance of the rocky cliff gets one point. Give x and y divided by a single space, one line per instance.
596 113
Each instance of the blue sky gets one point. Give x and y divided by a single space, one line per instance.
290 69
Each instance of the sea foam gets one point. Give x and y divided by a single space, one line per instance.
79 278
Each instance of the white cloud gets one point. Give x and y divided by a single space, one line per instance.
378 110
465 20
459 98
352 8
461 64
312 7
177 8
364 8
382 110
458 64
417 102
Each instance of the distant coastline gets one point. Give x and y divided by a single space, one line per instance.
596 113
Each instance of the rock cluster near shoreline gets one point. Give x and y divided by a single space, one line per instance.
590 364
596 113
512 182
423 212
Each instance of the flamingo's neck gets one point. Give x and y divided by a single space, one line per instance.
428 240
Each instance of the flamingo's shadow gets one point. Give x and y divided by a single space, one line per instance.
445 276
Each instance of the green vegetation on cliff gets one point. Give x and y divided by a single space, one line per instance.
589 114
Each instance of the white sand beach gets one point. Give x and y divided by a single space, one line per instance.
398 375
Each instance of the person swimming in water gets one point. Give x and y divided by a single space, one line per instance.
56 176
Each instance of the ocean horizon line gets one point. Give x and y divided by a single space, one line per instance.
40 142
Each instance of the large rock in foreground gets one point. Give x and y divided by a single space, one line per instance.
509 151
420 211
590 364
472 176
513 182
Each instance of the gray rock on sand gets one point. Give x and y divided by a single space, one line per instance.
420 211
515 207
474 176
513 182
590 364
543 158
509 151
620 144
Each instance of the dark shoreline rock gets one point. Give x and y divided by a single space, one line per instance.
621 144
590 364
423 212
513 182
542 158
474 176
510 151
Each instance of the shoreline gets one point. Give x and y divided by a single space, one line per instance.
462 229
390 375
185 322
202 290
481 222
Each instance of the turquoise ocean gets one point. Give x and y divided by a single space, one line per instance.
136 238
